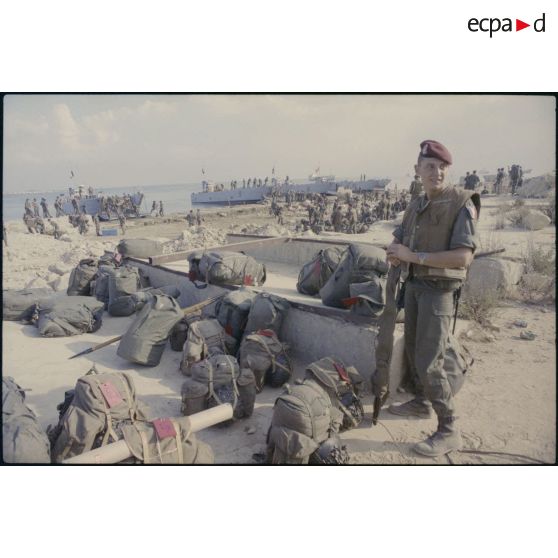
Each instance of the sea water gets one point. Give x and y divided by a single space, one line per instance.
175 198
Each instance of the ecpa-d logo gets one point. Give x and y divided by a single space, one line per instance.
494 24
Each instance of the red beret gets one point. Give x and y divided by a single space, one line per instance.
431 148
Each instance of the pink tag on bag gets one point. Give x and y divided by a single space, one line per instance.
111 395
164 428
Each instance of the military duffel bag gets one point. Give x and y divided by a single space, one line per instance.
367 299
267 312
226 268
81 277
314 274
342 384
140 247
303 418
359 264
71 316
216 380
124 281
266 356
204 339
23 440
145 340
21 304
100 403
232 311
101 283
163 441
129 304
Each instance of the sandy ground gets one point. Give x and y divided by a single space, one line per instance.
508 403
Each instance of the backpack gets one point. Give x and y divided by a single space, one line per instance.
127 305
179 332
232 311
226 268
81 276
367 299
100 286
216 380
342 384
101 401
23 440
266 356
303 418
267 312
314 274
172 444
145 340
360 263
21 304
71 316
204 339
123 281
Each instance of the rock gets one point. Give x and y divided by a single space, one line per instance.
59 268
535 220
527 335
60 283
37 283
65 238
520 323
492 274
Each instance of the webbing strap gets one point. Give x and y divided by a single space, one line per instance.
178 442
144 445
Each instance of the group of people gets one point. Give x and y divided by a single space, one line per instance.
246 183
32 208
471 180
194 219
157 209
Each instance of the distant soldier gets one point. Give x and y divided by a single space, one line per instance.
35 206
29 222
416 188
83 224
154 209
56 228
387 210
122 221
352 219
28 208
90 190
191 218
97 223
337 219
475 180
198 218
161 211
75 206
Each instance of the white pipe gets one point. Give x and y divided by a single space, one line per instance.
119 451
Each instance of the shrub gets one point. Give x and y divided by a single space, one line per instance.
537 259
481 307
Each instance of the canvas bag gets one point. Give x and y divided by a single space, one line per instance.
232 311
314 274
360 263
150 448
23 440
145 340
267 312
179 332
21 304
216 380
303 418
101 283
228 268
71 316
101 401
266 356
127 305
81 276
141 248
342 384
368 299
204 339
124 281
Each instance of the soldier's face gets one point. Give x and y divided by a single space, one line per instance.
432 172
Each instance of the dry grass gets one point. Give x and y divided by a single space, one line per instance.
490 242
480 308
537 259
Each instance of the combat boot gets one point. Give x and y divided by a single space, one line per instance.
416 407
445 440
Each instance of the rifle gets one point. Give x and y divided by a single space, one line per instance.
186 311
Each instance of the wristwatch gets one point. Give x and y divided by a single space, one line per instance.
421 257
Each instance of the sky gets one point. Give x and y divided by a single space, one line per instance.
134 140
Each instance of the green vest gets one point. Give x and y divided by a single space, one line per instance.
429 230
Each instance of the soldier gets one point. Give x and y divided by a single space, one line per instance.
198 218
352 219
97 223
57 234
122 221
190 218
416 188
28 208
153 209
434 246
161 211
475 180
83 224
29 222
337 219
35 206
